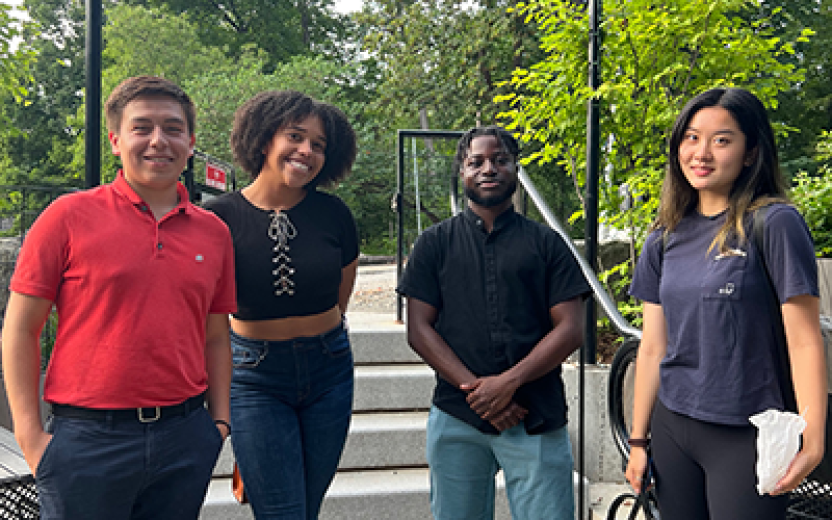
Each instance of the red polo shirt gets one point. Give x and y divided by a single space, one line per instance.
132 295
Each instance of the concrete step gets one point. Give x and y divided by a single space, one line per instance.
398 494
381 347
393 387
375 441
385 440
401 494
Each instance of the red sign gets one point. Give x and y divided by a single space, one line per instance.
214 176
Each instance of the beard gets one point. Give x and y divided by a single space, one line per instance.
491 200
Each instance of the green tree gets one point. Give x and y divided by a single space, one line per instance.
440 64
807 106
443 57
140 41
155 42
812 194
282 28
655 56
16 56
37 152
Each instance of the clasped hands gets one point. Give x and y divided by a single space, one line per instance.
492 398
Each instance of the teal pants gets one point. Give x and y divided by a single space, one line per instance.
464 462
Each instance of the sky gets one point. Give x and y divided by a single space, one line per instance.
347 6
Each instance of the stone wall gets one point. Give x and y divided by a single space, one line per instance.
825 281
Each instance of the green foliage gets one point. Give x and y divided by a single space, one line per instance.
655 56
442 57
40 150
379 246
154 42
438 64
807 107
16 55
17 58
812 194
281 28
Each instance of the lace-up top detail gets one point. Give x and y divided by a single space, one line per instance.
288 262
281 230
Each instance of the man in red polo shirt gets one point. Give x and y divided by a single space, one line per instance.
143 283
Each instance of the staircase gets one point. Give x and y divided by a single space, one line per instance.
383 473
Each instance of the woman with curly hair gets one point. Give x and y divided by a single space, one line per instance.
296 252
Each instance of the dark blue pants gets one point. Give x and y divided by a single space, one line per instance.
706 471
119 469
291 403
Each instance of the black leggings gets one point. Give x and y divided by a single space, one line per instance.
706 471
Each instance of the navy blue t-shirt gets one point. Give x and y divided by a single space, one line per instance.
720 364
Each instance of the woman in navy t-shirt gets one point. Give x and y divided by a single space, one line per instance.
708 354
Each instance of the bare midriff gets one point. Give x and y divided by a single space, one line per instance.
282 329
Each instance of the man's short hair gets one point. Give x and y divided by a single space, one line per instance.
505 137
144 87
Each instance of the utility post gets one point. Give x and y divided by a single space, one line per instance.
92 96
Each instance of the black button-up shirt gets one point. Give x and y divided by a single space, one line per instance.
493 292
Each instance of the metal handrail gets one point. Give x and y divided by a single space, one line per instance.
601 296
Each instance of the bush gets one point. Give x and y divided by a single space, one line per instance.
813 197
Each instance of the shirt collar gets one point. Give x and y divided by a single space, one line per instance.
504 219
121 185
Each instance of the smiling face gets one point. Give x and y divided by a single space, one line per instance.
489 173
295 155
154 143
712 155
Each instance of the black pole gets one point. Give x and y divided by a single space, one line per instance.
592 166
190 184
92 125
590 241
399 222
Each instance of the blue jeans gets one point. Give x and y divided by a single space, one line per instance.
464 461
291 403
119 469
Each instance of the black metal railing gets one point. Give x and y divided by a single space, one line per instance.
20 205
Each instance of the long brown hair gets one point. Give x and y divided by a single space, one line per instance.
758 184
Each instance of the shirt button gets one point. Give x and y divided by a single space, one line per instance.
159 246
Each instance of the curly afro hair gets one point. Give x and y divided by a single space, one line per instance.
259 118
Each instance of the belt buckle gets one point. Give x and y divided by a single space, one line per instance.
156 416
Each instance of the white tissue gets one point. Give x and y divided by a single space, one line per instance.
778 441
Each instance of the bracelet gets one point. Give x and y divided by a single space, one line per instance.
224 423
639 443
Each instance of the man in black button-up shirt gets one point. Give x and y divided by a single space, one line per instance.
494 306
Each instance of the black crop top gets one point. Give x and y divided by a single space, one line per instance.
298 272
